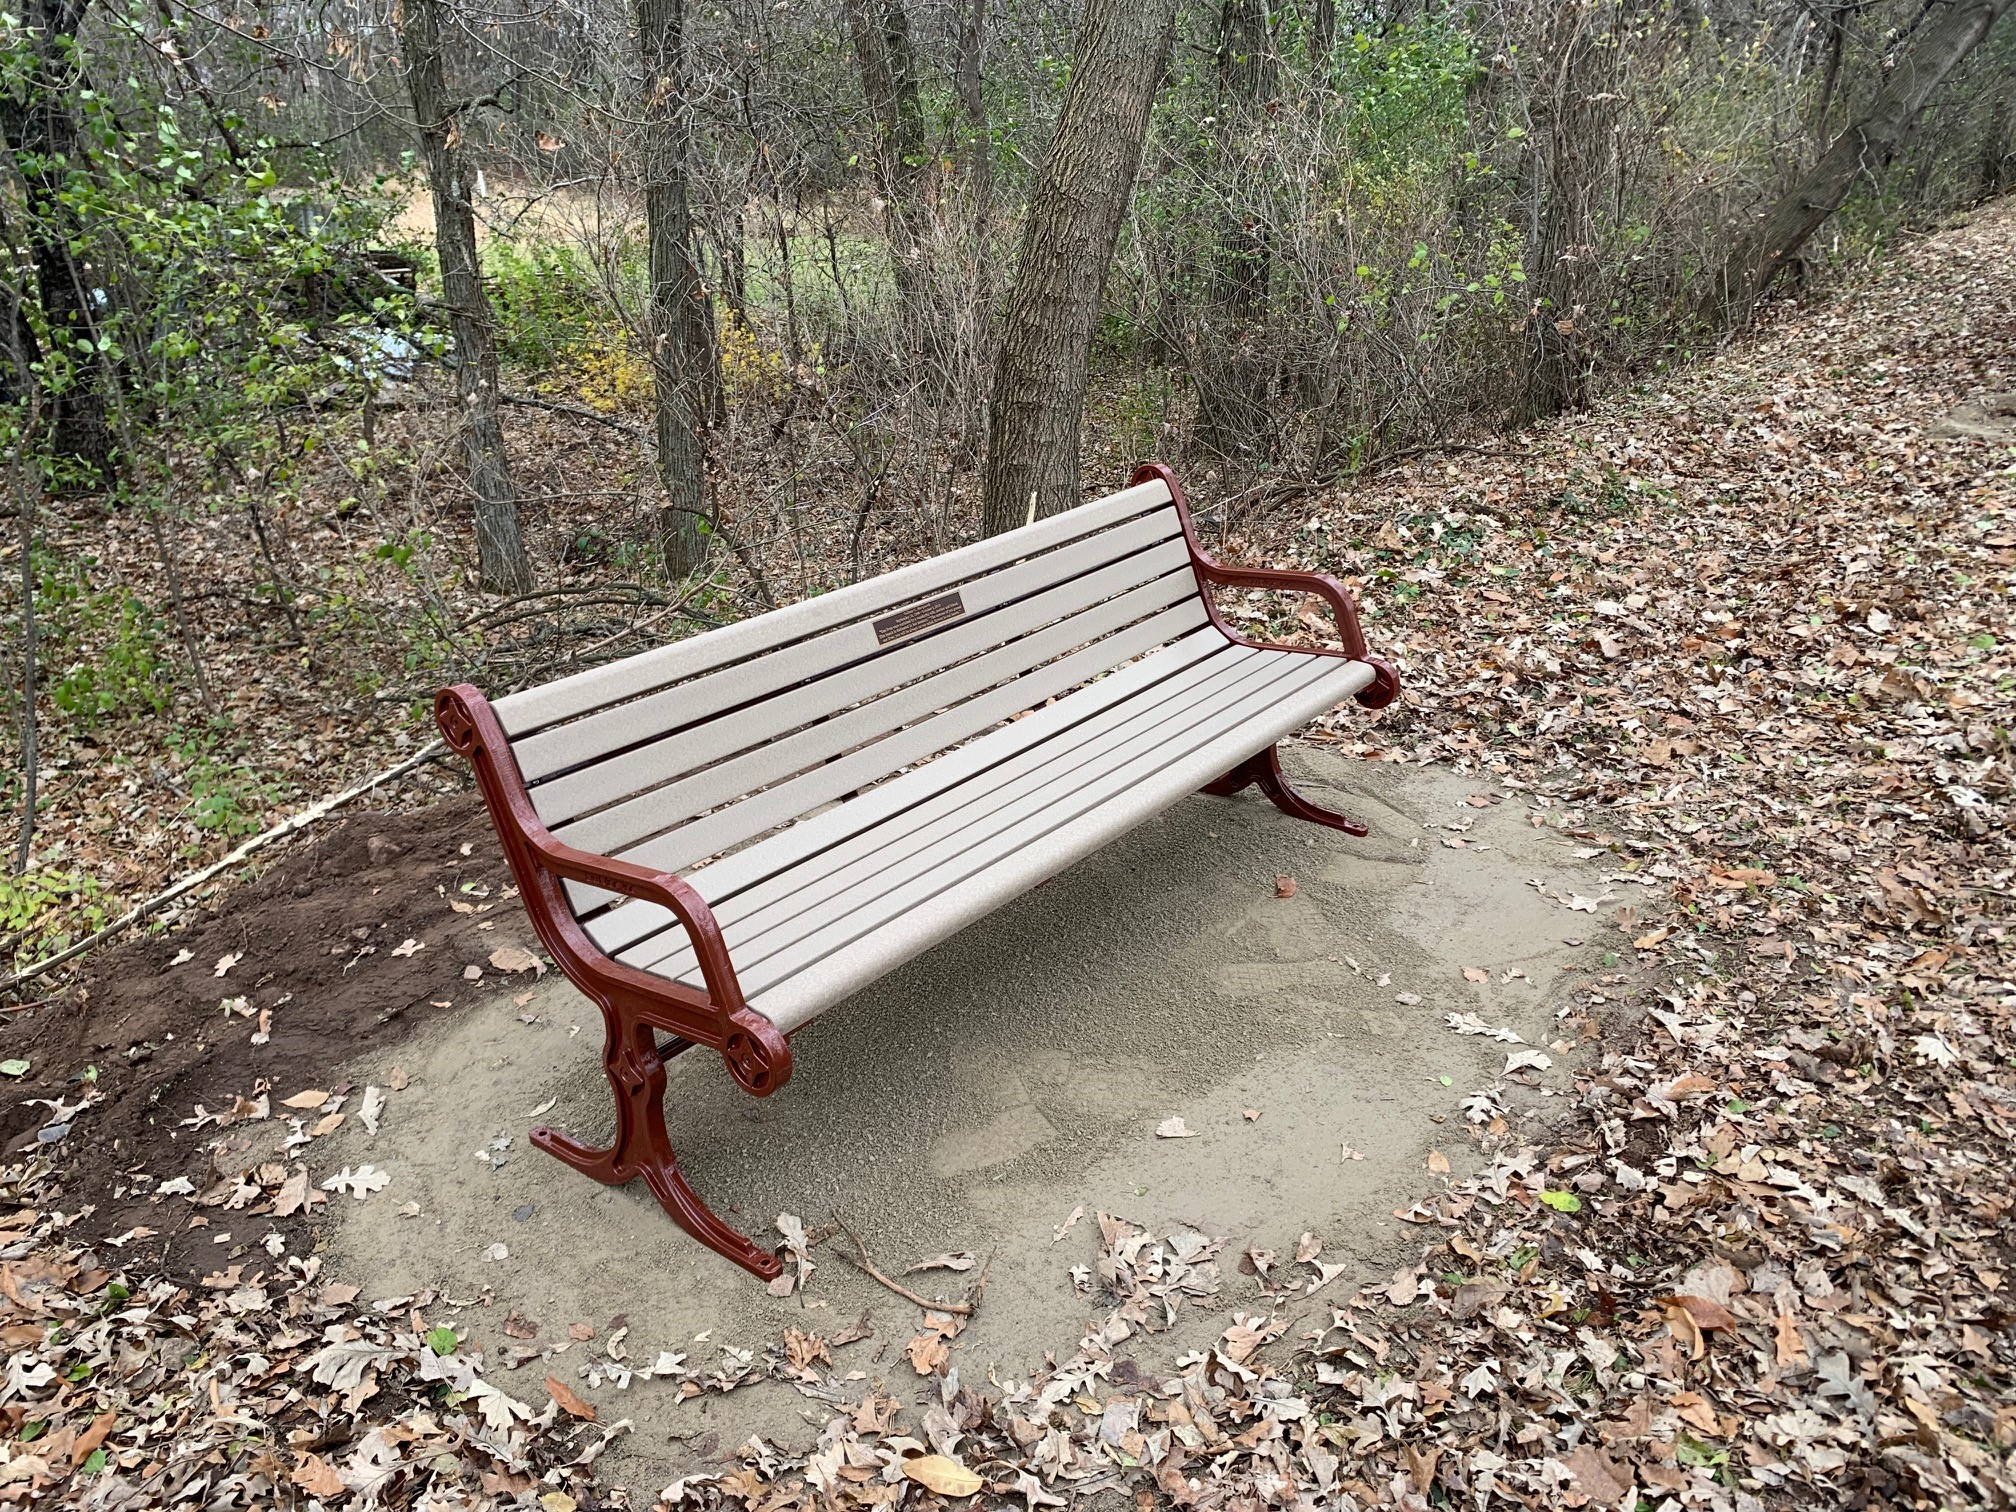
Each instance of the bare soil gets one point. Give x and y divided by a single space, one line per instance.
316 940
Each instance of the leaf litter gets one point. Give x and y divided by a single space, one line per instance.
1761 1259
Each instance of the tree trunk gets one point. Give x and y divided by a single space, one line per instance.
684 361
1232 410
1995 154
1573 155
979 148
1867 145
500 550
1323 35
880 30
1075 211
43 136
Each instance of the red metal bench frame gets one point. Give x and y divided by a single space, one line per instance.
637 1006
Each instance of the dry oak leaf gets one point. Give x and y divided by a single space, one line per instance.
928 1353
875 1414
1744 876
1284 886
92 1437
516 958
317 1477
306 1101
1595 1477
1174 1128
1693 1084
963 1260
518 1326
947 1477
1476 974
1693 1318
570 1404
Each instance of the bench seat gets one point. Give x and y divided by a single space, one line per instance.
720 839
825 907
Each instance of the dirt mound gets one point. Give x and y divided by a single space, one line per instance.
319 968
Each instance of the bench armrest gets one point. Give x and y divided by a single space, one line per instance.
469 726
672 893
1211 572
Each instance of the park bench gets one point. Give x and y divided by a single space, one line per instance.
720 838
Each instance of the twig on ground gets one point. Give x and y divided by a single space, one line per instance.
526 401
860 1258
319 809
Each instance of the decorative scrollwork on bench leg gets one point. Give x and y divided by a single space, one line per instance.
642 1147
1264 771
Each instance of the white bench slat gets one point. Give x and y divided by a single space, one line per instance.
717 832
687 703
762 920
745 778
523 713
623 926
930 908
959 652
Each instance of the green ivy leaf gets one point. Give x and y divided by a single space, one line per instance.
13 1068
1562 1202
442 1340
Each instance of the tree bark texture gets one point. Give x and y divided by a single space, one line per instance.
1573 157
684 360
1076 208
500 549
1233 366
880 32
1866 145
43 134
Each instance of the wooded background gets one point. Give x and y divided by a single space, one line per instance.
353 347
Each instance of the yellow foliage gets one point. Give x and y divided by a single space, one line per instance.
607 372
747 367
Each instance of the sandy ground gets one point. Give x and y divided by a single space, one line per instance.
973 1099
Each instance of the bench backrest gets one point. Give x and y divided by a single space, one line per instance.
680 753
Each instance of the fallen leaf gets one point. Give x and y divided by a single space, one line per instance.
1476 974
305 1101
964 1260
947 1477
1594 1476
226 962
317 1477
92 1437
570 1404
1438 1163
1284 886
1174 1128
359 1183
928 1352
516 958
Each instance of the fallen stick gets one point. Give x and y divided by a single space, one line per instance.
860 1258
319 809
